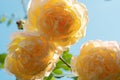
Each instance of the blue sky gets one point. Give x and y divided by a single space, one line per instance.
104 24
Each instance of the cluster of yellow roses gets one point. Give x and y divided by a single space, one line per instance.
51 27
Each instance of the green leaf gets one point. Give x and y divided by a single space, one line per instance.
59 76
3 19
1 65
67 75
9 22
61 65
67 56
16 79
66 68
2 59
52 78
75 78
58 71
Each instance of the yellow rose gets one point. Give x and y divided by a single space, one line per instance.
98 60
62 21
30 57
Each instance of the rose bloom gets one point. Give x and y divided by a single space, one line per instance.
30 57
61 21
98 60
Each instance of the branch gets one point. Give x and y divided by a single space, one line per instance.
64 62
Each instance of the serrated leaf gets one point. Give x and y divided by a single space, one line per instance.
58 71
9 22
3 19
